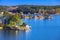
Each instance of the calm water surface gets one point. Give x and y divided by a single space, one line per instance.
40 30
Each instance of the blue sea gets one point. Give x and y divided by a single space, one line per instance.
48 29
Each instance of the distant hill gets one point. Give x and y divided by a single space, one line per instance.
27 8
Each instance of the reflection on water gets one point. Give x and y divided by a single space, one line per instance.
12 35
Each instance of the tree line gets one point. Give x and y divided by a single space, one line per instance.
28 8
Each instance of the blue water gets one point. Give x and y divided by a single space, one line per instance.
40 30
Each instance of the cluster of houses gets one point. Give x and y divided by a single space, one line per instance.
14 10
42 14
41 11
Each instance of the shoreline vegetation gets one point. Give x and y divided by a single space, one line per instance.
11 16
10 21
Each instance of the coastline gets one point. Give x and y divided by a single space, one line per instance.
18 28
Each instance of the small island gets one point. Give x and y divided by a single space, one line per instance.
12 21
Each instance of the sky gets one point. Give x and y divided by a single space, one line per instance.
29 2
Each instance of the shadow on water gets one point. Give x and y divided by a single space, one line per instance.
12 35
